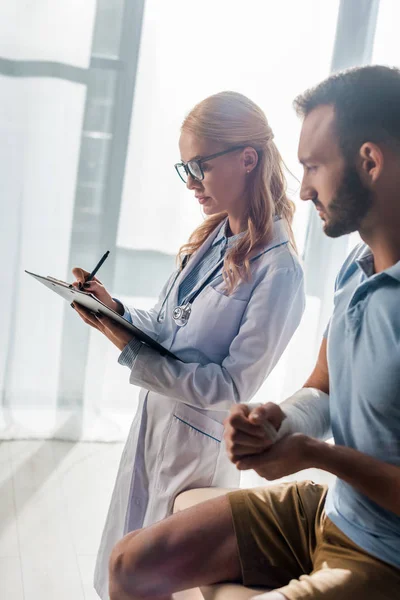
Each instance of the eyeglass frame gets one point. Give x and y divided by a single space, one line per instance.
199 161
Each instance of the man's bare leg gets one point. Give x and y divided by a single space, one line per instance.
194 547
269 596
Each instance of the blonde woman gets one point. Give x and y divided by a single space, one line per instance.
228 313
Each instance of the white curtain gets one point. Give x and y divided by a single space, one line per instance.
40 124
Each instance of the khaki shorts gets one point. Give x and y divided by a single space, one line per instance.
287 542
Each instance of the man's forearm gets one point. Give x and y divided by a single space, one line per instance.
376 479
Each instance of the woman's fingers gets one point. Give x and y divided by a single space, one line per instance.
117 334
93 286
87 316
80 274
94 281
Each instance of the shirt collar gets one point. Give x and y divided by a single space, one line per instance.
366 264
223 237
280 235
394 271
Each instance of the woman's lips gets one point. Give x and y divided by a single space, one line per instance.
202 199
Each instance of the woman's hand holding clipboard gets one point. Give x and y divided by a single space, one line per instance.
97 308
116 333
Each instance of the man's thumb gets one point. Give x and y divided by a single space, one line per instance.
269 412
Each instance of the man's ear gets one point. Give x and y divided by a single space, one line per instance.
371 162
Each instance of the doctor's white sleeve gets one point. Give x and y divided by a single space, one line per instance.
272 315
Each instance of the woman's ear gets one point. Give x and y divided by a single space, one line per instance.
250 158
371 162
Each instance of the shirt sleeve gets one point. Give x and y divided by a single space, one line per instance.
129 353
272 315
326 330
126 314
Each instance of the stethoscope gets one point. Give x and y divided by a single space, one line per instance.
181 313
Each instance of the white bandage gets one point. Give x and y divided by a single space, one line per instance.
307 411
270 430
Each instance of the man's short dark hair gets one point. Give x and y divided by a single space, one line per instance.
367 106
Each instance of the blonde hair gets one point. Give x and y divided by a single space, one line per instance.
231 119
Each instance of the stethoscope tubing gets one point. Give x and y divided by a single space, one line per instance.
181 313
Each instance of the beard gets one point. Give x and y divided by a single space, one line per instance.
349 206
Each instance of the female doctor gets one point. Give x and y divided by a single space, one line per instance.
228 313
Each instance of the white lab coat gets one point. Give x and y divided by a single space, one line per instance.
229 345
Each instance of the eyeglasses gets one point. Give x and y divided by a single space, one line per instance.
194 168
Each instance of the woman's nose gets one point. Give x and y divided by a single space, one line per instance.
192 183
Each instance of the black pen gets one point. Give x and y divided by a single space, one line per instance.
97 267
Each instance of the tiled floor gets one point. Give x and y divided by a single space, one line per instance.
53 502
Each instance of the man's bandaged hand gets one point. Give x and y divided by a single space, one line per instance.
251 430
306 411
269 416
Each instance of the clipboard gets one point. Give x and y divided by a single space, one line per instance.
88 300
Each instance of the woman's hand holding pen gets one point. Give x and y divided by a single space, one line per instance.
117 334
95 287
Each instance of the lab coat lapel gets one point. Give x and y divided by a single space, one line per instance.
279 236
196 258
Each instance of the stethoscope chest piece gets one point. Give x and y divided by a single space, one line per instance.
181 314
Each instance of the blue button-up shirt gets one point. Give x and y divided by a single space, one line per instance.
364 379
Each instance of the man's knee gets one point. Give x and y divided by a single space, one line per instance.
127 564
138 564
